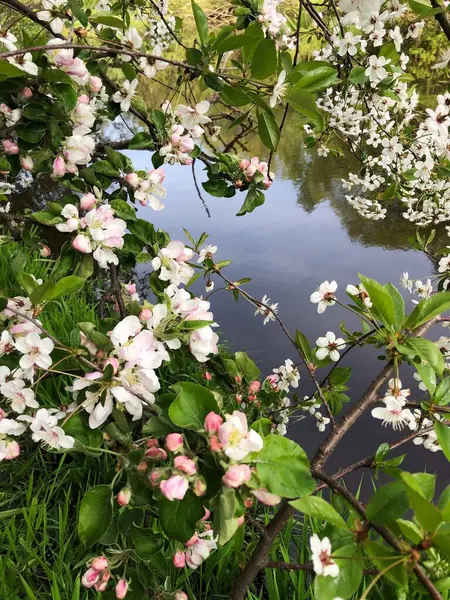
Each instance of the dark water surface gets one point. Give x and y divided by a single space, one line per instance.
304 234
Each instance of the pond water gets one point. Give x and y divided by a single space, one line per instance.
304 234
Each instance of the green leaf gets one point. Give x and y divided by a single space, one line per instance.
442 395
388 503
253 199
201 23
427 351
247 367
225 522
95 514
443 436
410 530
303 102
348 579
427 374
379 555
143 230
141 141
7 70
58 76
427 309
358 75
108 20
318 79
179 518
235 96
264 62
192 404
31 132
399 305
268 130
66 94
78 428
318 508
66 285
302 343
283 468
383 305
36 111
441 538
237 41
428 515
146 543
215 187
123 210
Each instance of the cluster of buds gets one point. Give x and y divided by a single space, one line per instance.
255 172
174 481
98 575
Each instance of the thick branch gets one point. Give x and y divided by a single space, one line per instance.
442 18
117 290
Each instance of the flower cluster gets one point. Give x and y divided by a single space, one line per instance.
393 412
99 232
148 189
275 24
185 130
255 172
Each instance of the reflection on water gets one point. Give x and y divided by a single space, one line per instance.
303 234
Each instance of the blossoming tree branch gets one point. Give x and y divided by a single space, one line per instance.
196 435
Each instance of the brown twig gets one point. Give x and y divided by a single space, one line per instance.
117 290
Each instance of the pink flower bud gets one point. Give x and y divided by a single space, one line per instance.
156 453
12 450
254 386
59 167
212 422
214 444
87 201
192 540
174 442
179 559
90 578
241 520
238 398
180 596
266 497
44 251
174 488
71 168
2 414
145 315
244 163
84 99
130 288
152 443
267 183
142 467
237 378
237 475
186 465
100 563
101 586
207 375
82 243
124 496
27 163
132 179
113 362
188 161
95 84
77 68
26 93
186 144
155 476
10 147
199 487
121 589
206 515
251 397
248 502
